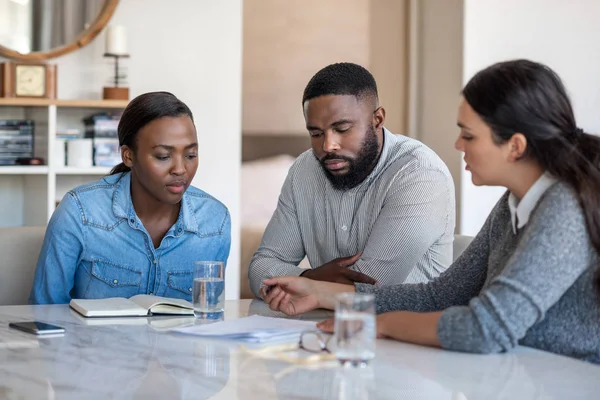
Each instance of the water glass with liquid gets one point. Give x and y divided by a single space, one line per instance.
355 328
208 293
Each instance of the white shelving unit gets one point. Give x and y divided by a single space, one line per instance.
82 171
29 194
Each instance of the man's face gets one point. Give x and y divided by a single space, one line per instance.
346 136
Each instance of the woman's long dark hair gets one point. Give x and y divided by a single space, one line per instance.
529 98
141 111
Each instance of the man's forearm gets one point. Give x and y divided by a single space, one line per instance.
265 267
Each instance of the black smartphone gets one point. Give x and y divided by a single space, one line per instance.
36 327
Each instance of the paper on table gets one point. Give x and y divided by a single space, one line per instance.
256 329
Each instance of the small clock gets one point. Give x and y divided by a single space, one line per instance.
28 80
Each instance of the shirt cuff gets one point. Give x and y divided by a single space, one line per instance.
365 288
453 330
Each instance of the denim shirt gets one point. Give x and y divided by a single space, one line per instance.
97 247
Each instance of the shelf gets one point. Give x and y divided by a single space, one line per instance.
18 102
23 169
83 171
92 103
21 102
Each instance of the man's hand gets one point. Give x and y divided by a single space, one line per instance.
382 325
338 271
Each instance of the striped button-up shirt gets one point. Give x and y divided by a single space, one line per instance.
401 217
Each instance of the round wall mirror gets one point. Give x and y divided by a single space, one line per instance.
34 30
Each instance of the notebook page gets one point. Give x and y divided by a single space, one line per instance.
149 301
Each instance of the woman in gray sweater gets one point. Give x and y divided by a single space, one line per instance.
530 276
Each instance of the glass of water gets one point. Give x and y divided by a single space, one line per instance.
208 292
355 328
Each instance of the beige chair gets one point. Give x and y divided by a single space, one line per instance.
461 242
20 248
251 238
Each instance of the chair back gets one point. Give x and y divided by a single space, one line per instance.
19 251
461 242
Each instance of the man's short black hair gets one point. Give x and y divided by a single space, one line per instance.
341 79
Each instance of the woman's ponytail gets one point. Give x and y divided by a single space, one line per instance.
117 169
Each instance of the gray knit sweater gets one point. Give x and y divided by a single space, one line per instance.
534 288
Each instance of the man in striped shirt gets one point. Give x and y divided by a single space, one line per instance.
364 205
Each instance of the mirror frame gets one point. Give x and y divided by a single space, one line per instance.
82 40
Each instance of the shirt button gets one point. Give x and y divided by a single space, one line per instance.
344 228
154 262
150 293
132 221
190 289
115 281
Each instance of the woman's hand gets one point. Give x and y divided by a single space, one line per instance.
291 295
294 295
411 327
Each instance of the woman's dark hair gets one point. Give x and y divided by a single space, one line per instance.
529 98
141 111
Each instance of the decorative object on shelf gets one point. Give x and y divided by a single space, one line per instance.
29 80
36 46
116 48
30 161
60 154
79 153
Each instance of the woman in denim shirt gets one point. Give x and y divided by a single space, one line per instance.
140 229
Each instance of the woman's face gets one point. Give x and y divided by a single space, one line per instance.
488 162
166 158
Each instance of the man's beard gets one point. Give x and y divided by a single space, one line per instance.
358 168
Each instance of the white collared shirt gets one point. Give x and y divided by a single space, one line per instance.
521 210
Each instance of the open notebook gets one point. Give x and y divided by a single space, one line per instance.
141 305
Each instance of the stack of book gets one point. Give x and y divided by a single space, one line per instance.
16 140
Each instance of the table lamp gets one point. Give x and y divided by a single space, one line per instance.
116 48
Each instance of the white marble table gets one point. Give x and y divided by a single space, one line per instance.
138 360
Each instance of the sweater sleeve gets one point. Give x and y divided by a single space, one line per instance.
552 253
456 286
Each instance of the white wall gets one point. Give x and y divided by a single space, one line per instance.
192 48
562 34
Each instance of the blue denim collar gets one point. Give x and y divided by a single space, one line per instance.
122 207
